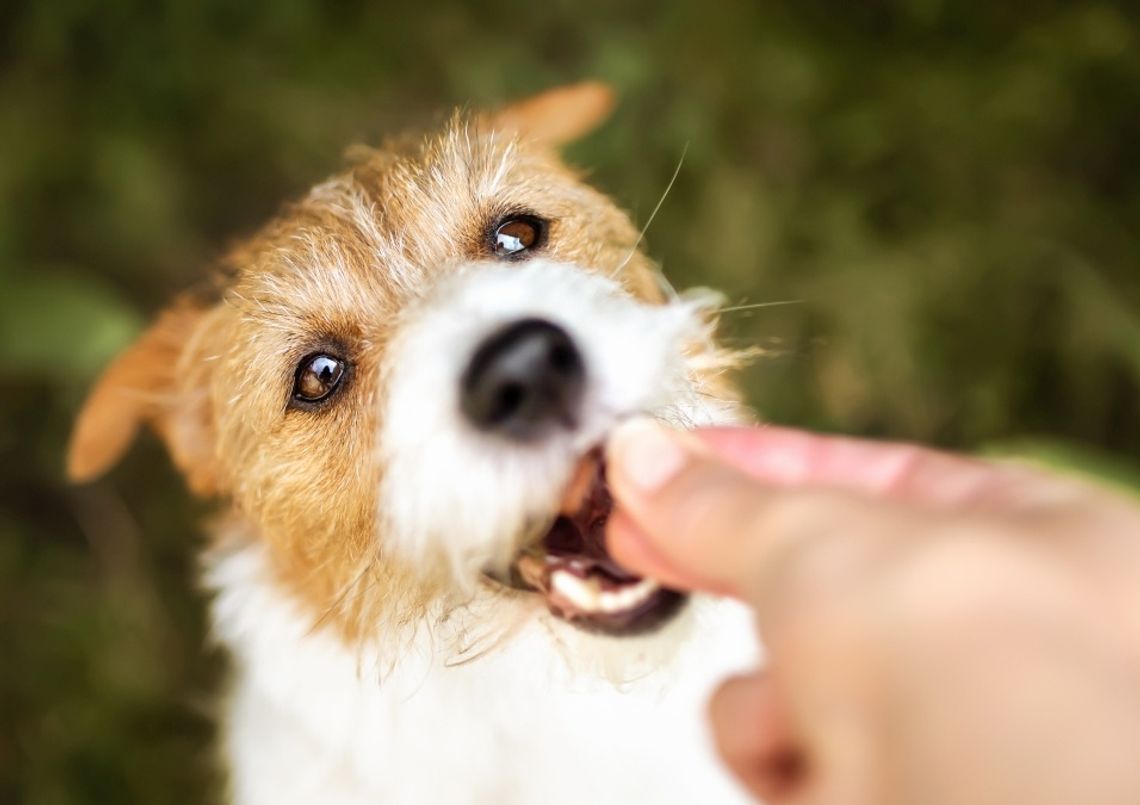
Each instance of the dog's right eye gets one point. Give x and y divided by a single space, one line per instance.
515 235
317 378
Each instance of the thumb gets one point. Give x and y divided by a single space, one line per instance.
682 516
691 521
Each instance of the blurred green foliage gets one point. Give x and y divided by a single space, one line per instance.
947 194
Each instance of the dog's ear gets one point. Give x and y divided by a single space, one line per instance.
557 116
160 380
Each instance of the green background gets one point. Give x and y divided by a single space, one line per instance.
948 195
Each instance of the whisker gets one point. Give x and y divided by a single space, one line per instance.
756 305
652 215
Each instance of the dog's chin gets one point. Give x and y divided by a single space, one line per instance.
570 568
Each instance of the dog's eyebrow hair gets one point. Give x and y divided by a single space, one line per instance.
652 215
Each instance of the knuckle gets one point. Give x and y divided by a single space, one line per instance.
956 582
814 541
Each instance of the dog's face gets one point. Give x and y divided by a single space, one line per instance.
405 380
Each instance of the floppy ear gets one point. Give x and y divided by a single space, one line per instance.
557 116
156 381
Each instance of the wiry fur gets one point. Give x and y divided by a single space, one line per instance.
551 715
374 661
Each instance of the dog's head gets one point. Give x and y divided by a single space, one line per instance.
404 381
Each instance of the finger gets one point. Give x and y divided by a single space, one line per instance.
754 737
631 548
703 521
785 457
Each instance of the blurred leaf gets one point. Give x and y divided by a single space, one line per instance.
61 325
1069 457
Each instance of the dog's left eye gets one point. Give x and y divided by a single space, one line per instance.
318 377
514 236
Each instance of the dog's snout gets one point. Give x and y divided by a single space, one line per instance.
524 380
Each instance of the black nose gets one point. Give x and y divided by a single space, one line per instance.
524 380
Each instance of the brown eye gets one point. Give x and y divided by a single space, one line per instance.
318 376
513 237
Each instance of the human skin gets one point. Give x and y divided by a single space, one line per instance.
940 629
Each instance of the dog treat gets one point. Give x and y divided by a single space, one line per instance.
585 474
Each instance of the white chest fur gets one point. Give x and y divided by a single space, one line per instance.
551 715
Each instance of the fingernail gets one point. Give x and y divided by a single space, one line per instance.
645 453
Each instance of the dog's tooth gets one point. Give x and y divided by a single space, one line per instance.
532 570
585 594
627 597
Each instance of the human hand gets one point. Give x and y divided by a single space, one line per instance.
939 629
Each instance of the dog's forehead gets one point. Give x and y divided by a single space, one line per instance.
377 233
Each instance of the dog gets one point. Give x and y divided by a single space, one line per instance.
400 389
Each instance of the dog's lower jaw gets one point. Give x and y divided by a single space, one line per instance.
311 720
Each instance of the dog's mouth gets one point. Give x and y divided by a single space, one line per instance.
580 581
